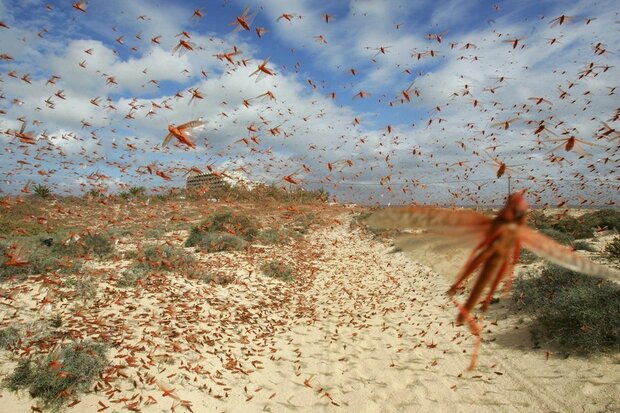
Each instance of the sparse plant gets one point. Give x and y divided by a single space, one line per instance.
304 222
166 258
97 244
85 288
273 236
228 221
223 231
584 246
62 375
42 191
217 278
8 337
131 276
572 311
613 249
56 321
40 260
137 191
279 270
156 233
559 236
215 241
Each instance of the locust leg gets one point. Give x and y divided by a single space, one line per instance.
475 330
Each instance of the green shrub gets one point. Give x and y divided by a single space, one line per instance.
40 260
223 231
227 221
573 311
54 378
165 258
279 270
273 236
131 276
578 228
559 236
156 233
97 244
613 248
42 191
528 257
85 288
303 222
539 220
137 191
584 246
8 337
215 241
604 218
218 278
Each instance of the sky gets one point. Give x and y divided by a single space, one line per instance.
373 101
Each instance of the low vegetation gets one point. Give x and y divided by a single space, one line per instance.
225 230
131 276
61 376
581 227
217 278
278 270
9 336
574 312
42 191
613 249
165 258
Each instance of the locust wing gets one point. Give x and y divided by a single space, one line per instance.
559 254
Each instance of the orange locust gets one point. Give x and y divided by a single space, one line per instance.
182 132
244 21
262 70
502 239
572 143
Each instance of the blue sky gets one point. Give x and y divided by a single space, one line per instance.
439 146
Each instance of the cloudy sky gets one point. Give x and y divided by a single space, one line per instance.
375 101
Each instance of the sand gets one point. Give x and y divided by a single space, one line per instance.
363 329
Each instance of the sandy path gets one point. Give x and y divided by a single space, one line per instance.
364 330
383 340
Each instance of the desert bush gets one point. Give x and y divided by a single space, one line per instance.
279 270
613 248
583 246
573 311
559 236
18 217
8 337
578 228
609 218
539 220
55 378
42 191
40 260
85 288
94 193
227 221
156 233
165 257
217 278
273 236
137 191
223 231
302 223
528 257
215 241
131 276
97 244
